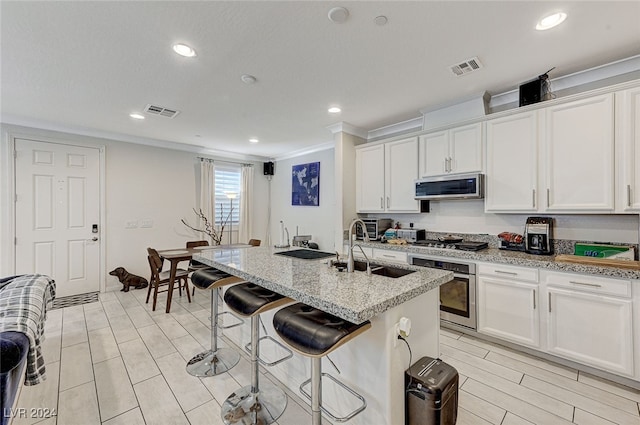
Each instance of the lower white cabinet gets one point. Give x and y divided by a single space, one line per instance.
509 308
389 255
590 328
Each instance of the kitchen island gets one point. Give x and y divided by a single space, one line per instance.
373 363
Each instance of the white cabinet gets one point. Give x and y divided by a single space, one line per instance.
512 163
458 150
578 141
389 255
385 175
508 304
628 149
589 320
370 179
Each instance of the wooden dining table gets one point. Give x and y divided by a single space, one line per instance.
178 255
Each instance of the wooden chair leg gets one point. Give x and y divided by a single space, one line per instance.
186 288
155 296
151 284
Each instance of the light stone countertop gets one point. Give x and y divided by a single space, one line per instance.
355 296
494 255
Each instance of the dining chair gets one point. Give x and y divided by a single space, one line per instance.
161 278
196 265
254 242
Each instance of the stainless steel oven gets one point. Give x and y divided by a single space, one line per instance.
458 297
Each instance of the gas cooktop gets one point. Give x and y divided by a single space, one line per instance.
461 245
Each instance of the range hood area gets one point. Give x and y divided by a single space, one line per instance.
461 186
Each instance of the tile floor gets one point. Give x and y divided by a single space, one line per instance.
116 362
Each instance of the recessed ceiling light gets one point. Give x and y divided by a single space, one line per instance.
334 110
254 140
184 50
248 79
338 15
551 21
136 116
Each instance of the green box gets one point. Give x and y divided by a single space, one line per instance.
602 251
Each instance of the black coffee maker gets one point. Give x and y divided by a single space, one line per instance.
538 235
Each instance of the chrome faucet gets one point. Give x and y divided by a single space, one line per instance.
369 271
354 223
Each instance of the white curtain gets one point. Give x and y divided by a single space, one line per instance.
245 231
207 190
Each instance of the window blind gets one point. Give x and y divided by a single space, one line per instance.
228 180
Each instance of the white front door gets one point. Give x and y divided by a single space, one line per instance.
57 212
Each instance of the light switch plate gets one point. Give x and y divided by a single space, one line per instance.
131 224
146 223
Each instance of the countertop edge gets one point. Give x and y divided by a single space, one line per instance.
494 255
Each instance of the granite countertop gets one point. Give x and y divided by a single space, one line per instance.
355 296
494 255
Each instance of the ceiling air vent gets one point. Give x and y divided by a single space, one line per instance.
467 66
159 110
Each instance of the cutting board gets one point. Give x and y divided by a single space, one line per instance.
591 261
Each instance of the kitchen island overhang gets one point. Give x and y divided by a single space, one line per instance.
374 362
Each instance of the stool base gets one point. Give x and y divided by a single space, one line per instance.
209 363
247 408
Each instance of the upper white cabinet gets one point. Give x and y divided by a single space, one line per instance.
458 150
628 148
512 163
385 175
370 179
578 143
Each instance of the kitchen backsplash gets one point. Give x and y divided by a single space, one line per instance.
560 246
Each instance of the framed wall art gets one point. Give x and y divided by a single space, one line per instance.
305 184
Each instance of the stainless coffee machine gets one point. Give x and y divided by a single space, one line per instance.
538 235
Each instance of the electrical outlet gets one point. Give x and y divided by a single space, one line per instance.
146 223
131 224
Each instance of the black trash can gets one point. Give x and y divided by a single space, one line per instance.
431 396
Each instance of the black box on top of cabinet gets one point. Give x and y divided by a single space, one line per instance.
531 92
431 393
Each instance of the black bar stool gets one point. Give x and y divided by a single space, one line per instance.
216 360
314 333
253 404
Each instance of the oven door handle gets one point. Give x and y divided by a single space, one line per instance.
464 276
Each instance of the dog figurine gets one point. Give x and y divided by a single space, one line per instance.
129 280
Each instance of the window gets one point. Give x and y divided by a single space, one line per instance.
228 180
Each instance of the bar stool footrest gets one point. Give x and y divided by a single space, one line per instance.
333 417
232 325
279 344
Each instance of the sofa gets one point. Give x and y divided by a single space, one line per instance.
24 302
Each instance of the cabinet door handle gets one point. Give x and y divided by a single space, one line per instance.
450 164
593 285
387 202
446 165
534 198
549 302
534 299
381 203
628 195
509 273
548 203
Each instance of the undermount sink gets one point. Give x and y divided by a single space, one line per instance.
307 254
380 270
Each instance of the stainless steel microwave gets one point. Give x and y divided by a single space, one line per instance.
453 186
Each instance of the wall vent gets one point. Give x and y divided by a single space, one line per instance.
160 110
466 67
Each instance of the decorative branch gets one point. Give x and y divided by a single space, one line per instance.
209 228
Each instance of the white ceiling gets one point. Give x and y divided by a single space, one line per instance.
87 65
